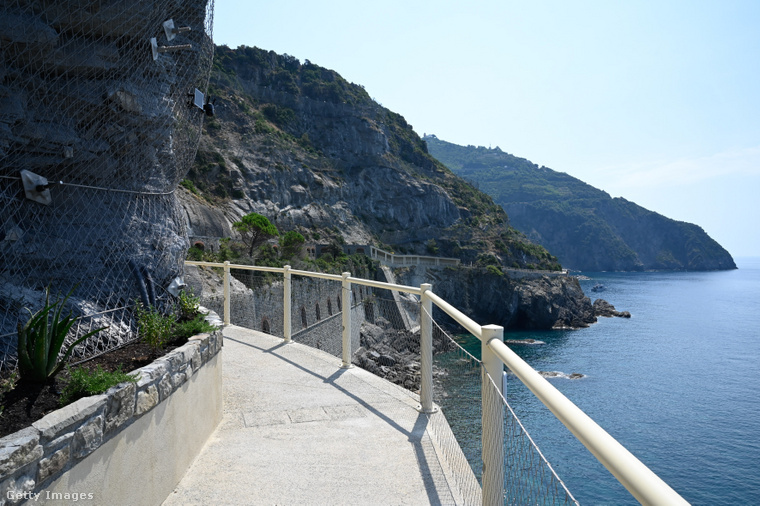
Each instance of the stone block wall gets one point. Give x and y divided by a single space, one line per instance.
312 300
33 458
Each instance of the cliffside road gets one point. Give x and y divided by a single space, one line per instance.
297 429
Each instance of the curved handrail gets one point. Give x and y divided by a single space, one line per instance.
637 478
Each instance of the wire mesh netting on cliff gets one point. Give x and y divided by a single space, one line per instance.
98 126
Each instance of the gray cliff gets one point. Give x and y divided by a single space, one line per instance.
515 300
107 132
313 153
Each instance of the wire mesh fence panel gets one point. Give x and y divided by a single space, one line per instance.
458 382
123 329
528 477
256 300
99 125
389 346
317 315
457 385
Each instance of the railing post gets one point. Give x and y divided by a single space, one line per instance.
426 351
226 292
346 307
287 329
493 419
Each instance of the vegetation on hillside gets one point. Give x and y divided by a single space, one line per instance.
585 227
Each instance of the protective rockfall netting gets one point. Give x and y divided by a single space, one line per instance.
98 126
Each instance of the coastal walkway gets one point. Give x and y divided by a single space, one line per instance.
299 429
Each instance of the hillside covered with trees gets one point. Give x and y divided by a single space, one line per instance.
583 226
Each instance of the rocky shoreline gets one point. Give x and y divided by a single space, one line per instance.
394 354
541 302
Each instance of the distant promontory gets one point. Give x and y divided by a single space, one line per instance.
582 226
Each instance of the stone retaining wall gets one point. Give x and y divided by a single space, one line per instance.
130 445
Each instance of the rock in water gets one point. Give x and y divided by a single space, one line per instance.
604 308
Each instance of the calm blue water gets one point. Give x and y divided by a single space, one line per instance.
675 384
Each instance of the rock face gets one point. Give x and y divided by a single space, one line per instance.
394 354
537 302
552 303
584 227
313 153
88 109
604 308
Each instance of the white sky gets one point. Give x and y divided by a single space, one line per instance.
654 101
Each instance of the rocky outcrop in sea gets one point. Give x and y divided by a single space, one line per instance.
604 308
518 300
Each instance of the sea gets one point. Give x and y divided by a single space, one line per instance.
676 384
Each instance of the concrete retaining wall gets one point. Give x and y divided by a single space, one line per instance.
130 445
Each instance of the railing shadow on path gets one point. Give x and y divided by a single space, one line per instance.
638 479
416 436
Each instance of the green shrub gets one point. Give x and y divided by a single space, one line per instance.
487 259
41 339
190 328
291 244
187 305
267 256
492 269
189 186
225 250
212 126
84 382
6 385
281 116
195 254
260 126
9 383
155 328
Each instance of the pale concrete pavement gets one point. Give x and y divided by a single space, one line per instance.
298 429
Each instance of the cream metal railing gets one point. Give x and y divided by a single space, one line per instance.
638 479
395 260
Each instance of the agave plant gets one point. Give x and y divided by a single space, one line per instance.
40 341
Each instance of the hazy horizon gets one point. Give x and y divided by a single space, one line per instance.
656 103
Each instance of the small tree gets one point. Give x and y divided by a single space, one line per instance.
255 229
291 244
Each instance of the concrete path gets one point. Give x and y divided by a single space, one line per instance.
297 429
